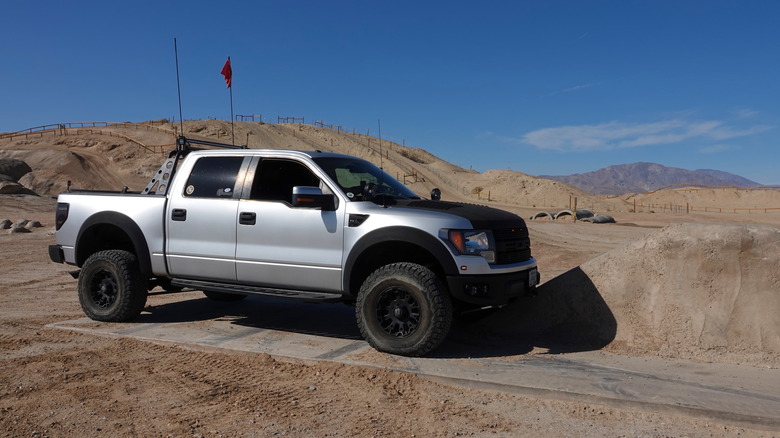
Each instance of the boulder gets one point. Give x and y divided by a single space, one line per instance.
10 188
14 168
33 224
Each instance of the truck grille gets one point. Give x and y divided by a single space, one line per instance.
512 245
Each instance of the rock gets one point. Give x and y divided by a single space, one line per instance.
14 168
33 224
19 230
10 188
5 224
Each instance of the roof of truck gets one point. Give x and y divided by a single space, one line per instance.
270 152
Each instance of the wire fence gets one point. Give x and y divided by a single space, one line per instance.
688 208
617 204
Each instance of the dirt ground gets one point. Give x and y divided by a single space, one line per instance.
61 384
56 383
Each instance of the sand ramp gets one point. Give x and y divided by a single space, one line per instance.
694 291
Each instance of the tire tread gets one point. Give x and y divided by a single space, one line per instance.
132 295
436 293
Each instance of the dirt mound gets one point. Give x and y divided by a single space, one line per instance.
692 291
706 291
88 161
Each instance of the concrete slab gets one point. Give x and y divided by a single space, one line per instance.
746 396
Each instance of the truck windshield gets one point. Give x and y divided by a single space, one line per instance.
362 181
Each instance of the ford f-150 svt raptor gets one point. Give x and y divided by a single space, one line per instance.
307 225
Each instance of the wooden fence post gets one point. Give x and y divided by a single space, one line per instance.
575 209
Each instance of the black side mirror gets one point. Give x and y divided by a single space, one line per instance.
312 197
368 189
435 194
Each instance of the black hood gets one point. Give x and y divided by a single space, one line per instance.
480 216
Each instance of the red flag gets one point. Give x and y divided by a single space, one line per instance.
227 71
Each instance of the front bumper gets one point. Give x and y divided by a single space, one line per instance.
493 289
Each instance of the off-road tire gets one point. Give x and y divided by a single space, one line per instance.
111 287
403 308
223 296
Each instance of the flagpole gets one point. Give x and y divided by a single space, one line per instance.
232 129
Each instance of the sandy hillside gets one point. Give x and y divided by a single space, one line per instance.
119 155
94 159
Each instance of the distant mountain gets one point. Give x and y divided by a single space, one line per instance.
729 179
645 177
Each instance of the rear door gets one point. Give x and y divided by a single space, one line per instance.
201 221
281 246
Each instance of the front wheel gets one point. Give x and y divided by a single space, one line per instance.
111 287
403 308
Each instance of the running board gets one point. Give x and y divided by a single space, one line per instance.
242 289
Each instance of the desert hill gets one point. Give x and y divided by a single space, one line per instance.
645 177
113 156
120 155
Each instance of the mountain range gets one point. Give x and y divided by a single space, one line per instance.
645 177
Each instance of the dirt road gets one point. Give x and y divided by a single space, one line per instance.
60 383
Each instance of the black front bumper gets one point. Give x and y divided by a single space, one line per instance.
493 290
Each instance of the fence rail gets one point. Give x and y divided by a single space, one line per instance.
62 128
322 124
84 128
688 208
53 128
249 117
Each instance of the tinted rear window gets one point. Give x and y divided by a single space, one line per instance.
213 177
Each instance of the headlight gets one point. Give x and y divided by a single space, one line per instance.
473 242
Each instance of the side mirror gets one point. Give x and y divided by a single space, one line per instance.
368 189
312 197
435 194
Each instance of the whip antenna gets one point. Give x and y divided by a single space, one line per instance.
381 163
178 86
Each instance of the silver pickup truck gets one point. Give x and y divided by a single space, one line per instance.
304 225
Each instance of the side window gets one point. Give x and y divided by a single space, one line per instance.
213 177
275 179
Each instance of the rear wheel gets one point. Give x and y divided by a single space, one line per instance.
111 287
403 308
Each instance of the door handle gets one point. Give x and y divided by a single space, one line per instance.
247 218
179 214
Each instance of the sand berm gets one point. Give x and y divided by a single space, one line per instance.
691 291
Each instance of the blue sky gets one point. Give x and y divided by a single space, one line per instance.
542 87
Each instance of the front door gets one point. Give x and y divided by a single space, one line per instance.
281 246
